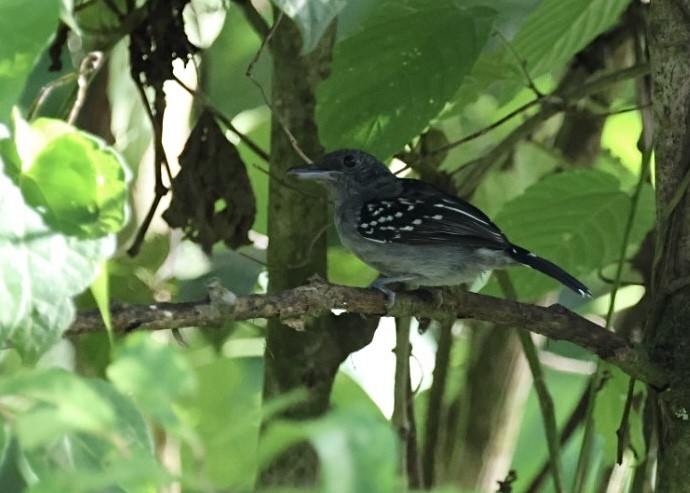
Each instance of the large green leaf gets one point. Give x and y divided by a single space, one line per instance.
558 29
357 450
41 270
393 76
47 404
77 183
154 374
26 28
311 16
227 414
77 434
575 219
549 38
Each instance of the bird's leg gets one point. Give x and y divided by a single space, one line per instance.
382 285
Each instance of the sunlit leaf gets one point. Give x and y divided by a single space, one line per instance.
357 448
117 455
154 374
357 451
77 183
41 271
52 403
227 414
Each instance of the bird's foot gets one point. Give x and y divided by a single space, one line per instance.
381 285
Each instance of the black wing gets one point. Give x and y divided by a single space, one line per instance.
424 215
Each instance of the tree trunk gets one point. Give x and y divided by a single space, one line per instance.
667 335
297 246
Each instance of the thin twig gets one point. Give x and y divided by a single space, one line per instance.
159 159
110 4
89 64
550 106
45 91
522 64
254 18
485 130
401 393
403 418
434 413
546 406
250 73
585 449
623 431
197 94
285 183
572 424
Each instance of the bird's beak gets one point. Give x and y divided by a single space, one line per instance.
313 173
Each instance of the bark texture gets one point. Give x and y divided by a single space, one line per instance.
297 246
667 334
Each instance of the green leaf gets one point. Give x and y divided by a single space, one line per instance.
227 414
311 16
26 29
577 220
608 411
128 473
394 75
77 434
10 456
77 183
153 374
548 39
349 395
357 449
358 452
558 29
41 271
48 404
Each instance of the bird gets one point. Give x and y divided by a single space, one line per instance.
412 232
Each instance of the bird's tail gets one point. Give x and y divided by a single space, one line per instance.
529 259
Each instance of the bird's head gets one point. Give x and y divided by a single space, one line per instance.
346 171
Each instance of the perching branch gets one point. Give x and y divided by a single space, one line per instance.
319 297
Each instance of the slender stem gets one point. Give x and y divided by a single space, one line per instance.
254 18
551 105
586 447
543 396
400 418
547 409
434 414
197 94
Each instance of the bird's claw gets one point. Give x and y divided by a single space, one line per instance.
388 292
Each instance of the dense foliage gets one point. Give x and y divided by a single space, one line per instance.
531 109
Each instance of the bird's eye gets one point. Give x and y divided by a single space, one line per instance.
349 161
